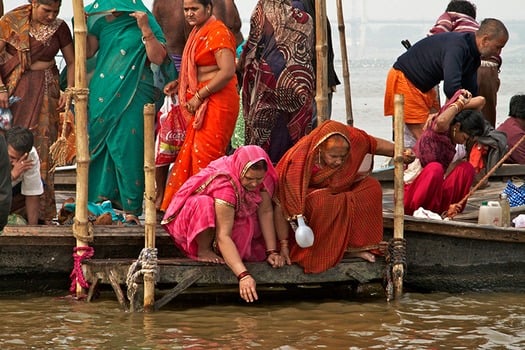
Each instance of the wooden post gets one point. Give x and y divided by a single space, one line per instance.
344 58
321 50
149 199
399 211
81 229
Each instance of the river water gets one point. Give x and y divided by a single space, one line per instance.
416 321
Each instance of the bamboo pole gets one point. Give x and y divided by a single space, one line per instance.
321 50
149 197
344 57
81 229
399 212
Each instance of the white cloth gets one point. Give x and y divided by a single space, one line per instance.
31 181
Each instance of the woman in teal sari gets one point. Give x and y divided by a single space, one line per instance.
126 39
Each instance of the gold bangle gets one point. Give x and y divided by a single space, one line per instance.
199 95
209 91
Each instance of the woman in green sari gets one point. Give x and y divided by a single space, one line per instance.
127 40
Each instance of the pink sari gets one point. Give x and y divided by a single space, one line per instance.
192 209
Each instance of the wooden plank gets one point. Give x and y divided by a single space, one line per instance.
173 270
190 277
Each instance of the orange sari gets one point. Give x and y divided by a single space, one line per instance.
218 113
343 206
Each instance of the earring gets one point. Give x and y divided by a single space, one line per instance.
454 133
319 157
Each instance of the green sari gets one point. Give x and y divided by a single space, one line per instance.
122 83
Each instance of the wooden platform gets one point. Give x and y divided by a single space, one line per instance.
181 274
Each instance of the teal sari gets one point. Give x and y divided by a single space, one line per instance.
122 83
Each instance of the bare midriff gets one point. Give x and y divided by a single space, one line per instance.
205 73
42 65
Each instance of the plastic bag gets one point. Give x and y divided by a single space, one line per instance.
6 117
171 132
515 194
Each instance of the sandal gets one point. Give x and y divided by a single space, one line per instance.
131 220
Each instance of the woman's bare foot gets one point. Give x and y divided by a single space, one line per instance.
210 256
363 255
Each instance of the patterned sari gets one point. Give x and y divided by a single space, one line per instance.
343 206
216 115
39 89
123 82
278 82
192 209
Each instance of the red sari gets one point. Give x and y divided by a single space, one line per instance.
218 113
343 206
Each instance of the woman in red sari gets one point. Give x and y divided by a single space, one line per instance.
224 214
30 37
325 178
443 182
207 89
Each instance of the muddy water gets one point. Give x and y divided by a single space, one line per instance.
417 321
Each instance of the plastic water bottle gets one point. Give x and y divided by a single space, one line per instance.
490 213
505 210
304 236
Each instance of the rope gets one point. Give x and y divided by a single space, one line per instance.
77 276
146 263
78 233
396 254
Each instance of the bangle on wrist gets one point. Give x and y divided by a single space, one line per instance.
284 242
208 89
242 275
198 95
271 252
146 38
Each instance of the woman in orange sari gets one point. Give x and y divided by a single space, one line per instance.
325 178
207 89
31 35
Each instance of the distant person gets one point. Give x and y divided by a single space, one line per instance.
460 16
5 183
453 58
25 173
309 7
278 82
514 128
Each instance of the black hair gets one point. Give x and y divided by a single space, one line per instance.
21 139
492 27
517 106
259 165
470 122
462 6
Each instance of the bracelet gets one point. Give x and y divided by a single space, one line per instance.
208 89
199 96
146 38
3 88
242 275
271 252
284 242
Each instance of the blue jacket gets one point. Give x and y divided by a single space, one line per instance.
450 57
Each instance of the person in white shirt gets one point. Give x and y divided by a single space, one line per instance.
25 173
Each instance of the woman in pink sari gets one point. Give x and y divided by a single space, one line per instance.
224 214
